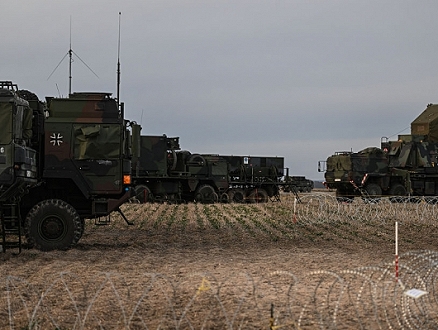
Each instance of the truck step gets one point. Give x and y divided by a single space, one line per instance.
102 221
10 219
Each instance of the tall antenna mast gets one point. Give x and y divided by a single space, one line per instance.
70 54
118 64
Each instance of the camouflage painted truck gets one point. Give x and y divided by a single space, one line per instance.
258 179
61 162
255 179
163 172
407 166
300 183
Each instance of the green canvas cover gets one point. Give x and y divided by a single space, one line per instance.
339 163
27 123
6 120
97 142
427 123
153 155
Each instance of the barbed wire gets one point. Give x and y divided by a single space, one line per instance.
317 208
365 298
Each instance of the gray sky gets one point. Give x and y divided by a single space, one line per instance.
297 79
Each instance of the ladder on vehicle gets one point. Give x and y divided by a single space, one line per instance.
10 226
295 192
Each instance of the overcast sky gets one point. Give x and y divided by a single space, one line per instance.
297 79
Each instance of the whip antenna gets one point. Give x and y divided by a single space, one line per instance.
70 55
118 64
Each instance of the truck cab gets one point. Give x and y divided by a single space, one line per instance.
18 170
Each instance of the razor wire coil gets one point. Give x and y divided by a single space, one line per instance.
363 298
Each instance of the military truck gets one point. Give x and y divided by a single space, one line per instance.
61 162
407 166
300 183
162 172
254 179
362 173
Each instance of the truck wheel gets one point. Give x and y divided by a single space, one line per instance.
143 194
206 194
237 196
53 225
343 197
258 195
373 189
374 192
399 191
197 159
225 198
82 226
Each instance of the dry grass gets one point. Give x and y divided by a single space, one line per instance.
225 240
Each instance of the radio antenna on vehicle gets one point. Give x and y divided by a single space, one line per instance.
70 54
118 63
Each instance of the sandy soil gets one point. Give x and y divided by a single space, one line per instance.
132 251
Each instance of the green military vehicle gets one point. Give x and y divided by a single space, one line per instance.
404 167
299 183
362 173
61 162
18 168
254 179
164 173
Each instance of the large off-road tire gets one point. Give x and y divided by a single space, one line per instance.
143 194
397 189
82 226
343 197
197 159
206 194
398 193
53 225
225 198
172 160
258 195
374 193
373 189
237 196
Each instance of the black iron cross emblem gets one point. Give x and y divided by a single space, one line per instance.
56 139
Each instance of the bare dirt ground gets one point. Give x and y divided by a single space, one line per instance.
127 249
179 240
134 250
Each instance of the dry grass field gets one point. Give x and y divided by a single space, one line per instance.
223 241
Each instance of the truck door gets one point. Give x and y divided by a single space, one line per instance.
97 156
